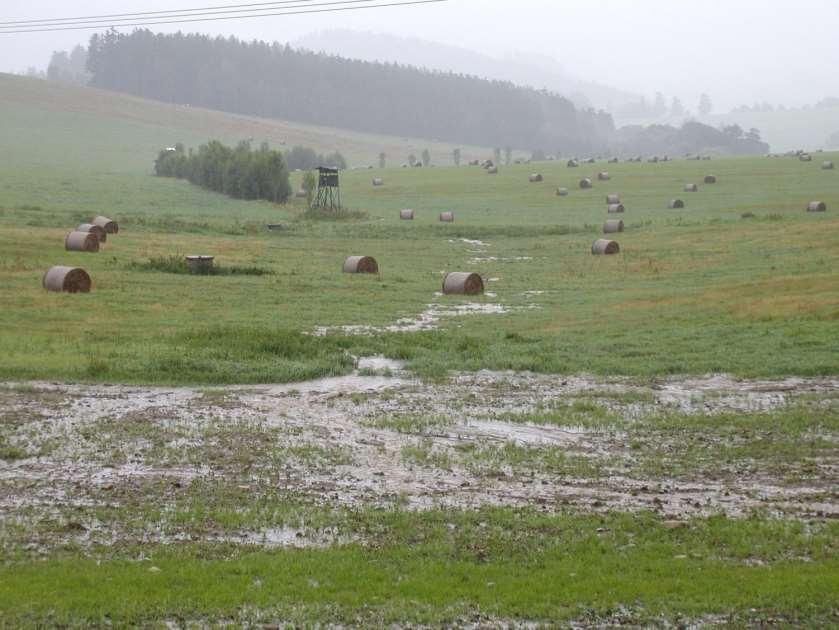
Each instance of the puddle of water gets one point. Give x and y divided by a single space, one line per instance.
379 362
483 259
427 320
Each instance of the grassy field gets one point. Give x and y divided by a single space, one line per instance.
696 290
720 513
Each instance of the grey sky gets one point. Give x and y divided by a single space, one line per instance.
740 51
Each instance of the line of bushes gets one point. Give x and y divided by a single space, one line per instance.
240 172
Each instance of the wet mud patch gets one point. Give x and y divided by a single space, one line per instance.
164 464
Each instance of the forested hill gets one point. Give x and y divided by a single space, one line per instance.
275 81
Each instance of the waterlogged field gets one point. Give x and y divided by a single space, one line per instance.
643 438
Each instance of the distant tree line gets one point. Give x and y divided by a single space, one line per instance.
275 81
239 172
304 159
692 137
69 67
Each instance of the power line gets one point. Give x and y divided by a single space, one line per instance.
190 13
173 13
253 14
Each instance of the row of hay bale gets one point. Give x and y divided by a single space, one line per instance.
604 246
408 215
454 283
85 238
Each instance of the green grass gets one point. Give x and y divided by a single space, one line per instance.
435 567
693 291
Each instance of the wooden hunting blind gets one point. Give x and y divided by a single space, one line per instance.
329 190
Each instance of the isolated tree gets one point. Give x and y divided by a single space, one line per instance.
382 159
426 157
508 155
496 153
412 159
309 185
676 108
456 157
705 105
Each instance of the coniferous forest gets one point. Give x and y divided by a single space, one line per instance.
276 81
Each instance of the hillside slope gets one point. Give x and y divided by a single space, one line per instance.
165 124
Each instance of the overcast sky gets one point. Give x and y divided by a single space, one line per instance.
739 51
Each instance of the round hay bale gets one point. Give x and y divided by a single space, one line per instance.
377 181
805 157
610 199
603 176
613 225
361 264
653 160
492 170
100 232
817 206
561 192
66 279
676 203
691 188
200 264
604 246
81 242
406 215
827 166
616 208
447 217
110 226
710 179
463 283
588 161
585 183
535 177
573 163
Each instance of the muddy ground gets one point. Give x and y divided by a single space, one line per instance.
83 464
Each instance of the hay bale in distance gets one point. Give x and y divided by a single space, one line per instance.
653 160
615 208
110 226
535 178
463 283
361 264
561 192
573 163
827 166
377 181
603 176
585 182
610 199
200 264
492 170
604 246
817 206
676 203
805 157
406 215
81 242
710 179
613 160
100 232
691 188
613 225
66 279
447 217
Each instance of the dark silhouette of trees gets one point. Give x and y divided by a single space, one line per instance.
239 172
275 81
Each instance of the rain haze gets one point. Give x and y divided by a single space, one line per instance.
738 52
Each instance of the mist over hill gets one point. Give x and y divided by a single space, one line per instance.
537 71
